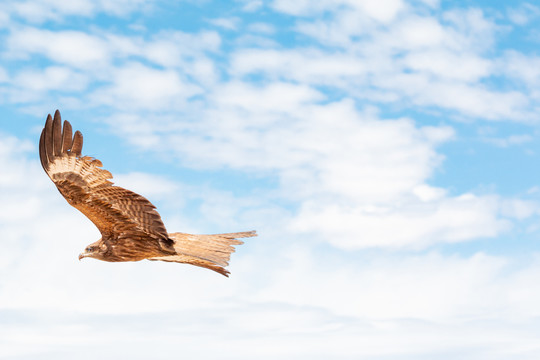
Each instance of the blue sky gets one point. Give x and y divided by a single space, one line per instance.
385 151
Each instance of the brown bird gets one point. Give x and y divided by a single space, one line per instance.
131 228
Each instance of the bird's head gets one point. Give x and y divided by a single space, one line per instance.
94 250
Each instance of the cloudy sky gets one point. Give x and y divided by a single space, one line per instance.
386 151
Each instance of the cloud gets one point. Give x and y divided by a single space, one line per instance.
55 10
73 48
462 301
423 78
431 3
382 11
397 63
428 287
412 60
263 28
225 23
151 186
309 66
251 5
28 198
332 158
138 86
474 101
518 208
43 257
89 51
524 69
415 224
442 64
170 67
523 13
355 178
51 78
510 140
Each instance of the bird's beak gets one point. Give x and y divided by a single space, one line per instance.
83 255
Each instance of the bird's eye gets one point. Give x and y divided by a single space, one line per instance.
90 249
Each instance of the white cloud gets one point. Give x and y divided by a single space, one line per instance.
519 209
383 11
309 66
432 3
151 186
469 30
263 28
400 61
523 13
251 5
458 302
122 7
138 86
365 173
29 199
185 52
474 101
226 23
73 48
5 19
442 64
510 140
359 181
56 10
50 78
278 97
301 7
418 32
410 225
43 256
32 85
98 55
4 77
523 68
245 332
428 287
39 11
412 60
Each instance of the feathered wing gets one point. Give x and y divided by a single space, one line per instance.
86 186
120 214
209 251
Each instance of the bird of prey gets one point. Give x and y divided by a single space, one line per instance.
131 228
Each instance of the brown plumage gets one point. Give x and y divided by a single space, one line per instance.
131 228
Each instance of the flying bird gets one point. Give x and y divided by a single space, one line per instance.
131 228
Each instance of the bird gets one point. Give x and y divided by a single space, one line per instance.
131 228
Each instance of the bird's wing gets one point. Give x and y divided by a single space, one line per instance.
87 186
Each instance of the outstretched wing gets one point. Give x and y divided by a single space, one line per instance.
87 186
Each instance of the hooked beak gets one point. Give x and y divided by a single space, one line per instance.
83 255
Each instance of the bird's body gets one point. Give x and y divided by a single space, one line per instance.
130 226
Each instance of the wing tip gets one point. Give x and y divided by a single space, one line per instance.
76 146
57 134
42 151
67 137
57 139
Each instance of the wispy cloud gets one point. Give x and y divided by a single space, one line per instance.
53 10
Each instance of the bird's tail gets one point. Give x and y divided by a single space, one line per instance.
209 251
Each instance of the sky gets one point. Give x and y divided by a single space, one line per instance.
386 152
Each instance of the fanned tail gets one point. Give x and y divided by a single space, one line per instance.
209 251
